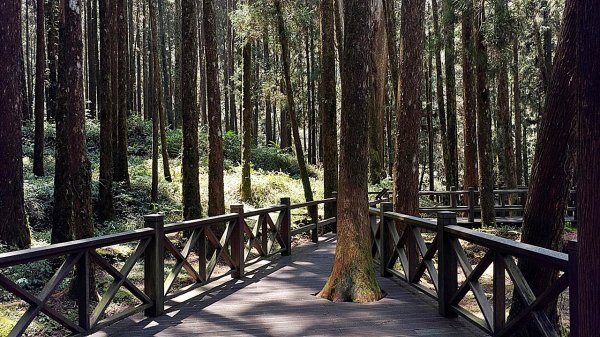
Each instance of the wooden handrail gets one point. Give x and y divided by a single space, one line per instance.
153 241
404 234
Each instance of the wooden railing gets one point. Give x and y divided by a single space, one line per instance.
507 202
247 237
429 256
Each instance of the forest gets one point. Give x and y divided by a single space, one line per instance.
114 109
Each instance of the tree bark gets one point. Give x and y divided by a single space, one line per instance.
13 221
552 167
588 172
156 97
449 17
190 169
52 42
72 218
353 275
105 202
379 59
469 98
439 82
408 115
517 111
40 94
485 157
164 63
283 40
246 187
120 160
328 104
216 203
92 55
506 157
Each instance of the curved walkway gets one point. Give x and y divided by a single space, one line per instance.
277 300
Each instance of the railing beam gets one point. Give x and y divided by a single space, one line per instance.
573 288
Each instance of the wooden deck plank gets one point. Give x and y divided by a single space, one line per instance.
277 300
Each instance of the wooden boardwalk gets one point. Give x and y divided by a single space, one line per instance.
277 300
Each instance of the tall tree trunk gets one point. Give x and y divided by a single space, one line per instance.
190 170
40 95
469 98
283 40
449 17
155 95
517 111
202 66
164 63
246 188
121 165
430 133
506 156
230 40
328 98
27 79
588 172
353 275
552 167
72 218
13 221
485 157
105 203
269 138
92 55
408 115
439 82
52 42
216 203
177 83
379 65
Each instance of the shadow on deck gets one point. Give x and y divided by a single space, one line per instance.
277 300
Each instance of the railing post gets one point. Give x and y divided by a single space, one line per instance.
384 243
286 227
83 290
573 287
313 212
453 202
447 266
154 265
237 241
471 205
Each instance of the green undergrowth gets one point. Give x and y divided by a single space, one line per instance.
275 174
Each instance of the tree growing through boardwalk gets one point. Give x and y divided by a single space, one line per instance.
588 172
328 103
13 222
353 275
189 111
409 109
485 159
552 169
216 199
72 217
